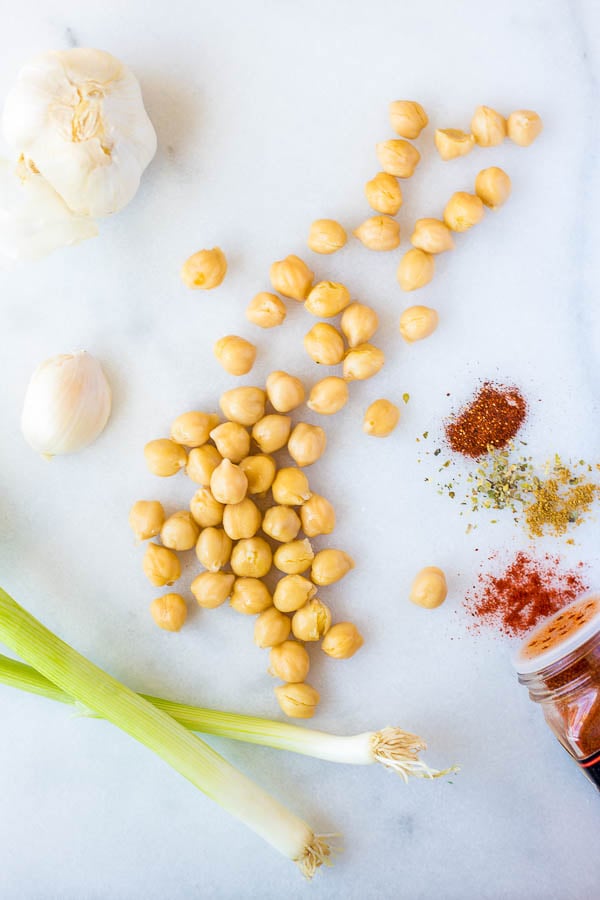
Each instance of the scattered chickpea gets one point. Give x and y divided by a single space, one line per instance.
488 127
266 310
452 143
241 520
231 440
250 596
328 396
384 194
317 516
205 269
342 641
292 592
418 322
298 701
260 472
271 433
169 611
164 457
416 269
211 589
408 118
290 487
271 628
432 236
324 344
363 362
161 566
146 518
326 236
228 483
524 126
180 531
398 157
359 323
463 211
193 428
379 233
289 661
206 511
381 418
245 405
251 558
281 523
202 462
312 621
327 299
213 549
292 278
285 392
294 558
429 589
330 566
307 444
236 355
493 187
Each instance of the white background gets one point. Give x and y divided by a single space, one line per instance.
267 115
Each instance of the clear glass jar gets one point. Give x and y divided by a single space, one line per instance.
559 664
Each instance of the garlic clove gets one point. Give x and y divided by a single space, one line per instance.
67 404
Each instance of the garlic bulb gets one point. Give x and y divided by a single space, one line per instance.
78 117
67 404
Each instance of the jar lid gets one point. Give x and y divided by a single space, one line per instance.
559 636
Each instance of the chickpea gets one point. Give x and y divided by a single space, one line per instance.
463 211
381 418
452 143
202 462
493 187
379 233
213 549
293 592
312 621
418 322
359 323
307 444
289 661
317 516
266 310
228 483
292 278
429 589
271 433
416 269
232 441
146 518
432 236
260 472
327 299
161 566
324 344
180 531
328 396
408 118
245 405
241 520
205 510
488 127
251 558
285 392
362 362
281 523
330 566
250 596
205 269
211 589
193 428
298 701
342 641
326 236
290 487
294 558
524 126
384 194
164 457
236 355
169 611
271 628
398 157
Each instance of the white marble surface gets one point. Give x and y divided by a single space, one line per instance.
267 114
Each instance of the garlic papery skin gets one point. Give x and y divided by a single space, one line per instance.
67 404
78 116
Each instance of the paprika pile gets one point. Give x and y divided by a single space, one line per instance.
489 421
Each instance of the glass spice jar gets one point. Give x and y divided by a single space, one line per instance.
559 663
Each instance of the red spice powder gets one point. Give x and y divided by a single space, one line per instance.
528 591
491 419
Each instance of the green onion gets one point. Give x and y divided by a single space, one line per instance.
154 728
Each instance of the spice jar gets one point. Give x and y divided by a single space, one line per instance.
559 663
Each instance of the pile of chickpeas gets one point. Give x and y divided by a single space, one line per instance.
241 492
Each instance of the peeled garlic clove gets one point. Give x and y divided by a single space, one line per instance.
67 404
79 117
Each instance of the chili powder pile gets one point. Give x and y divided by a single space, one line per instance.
528 591
491 420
